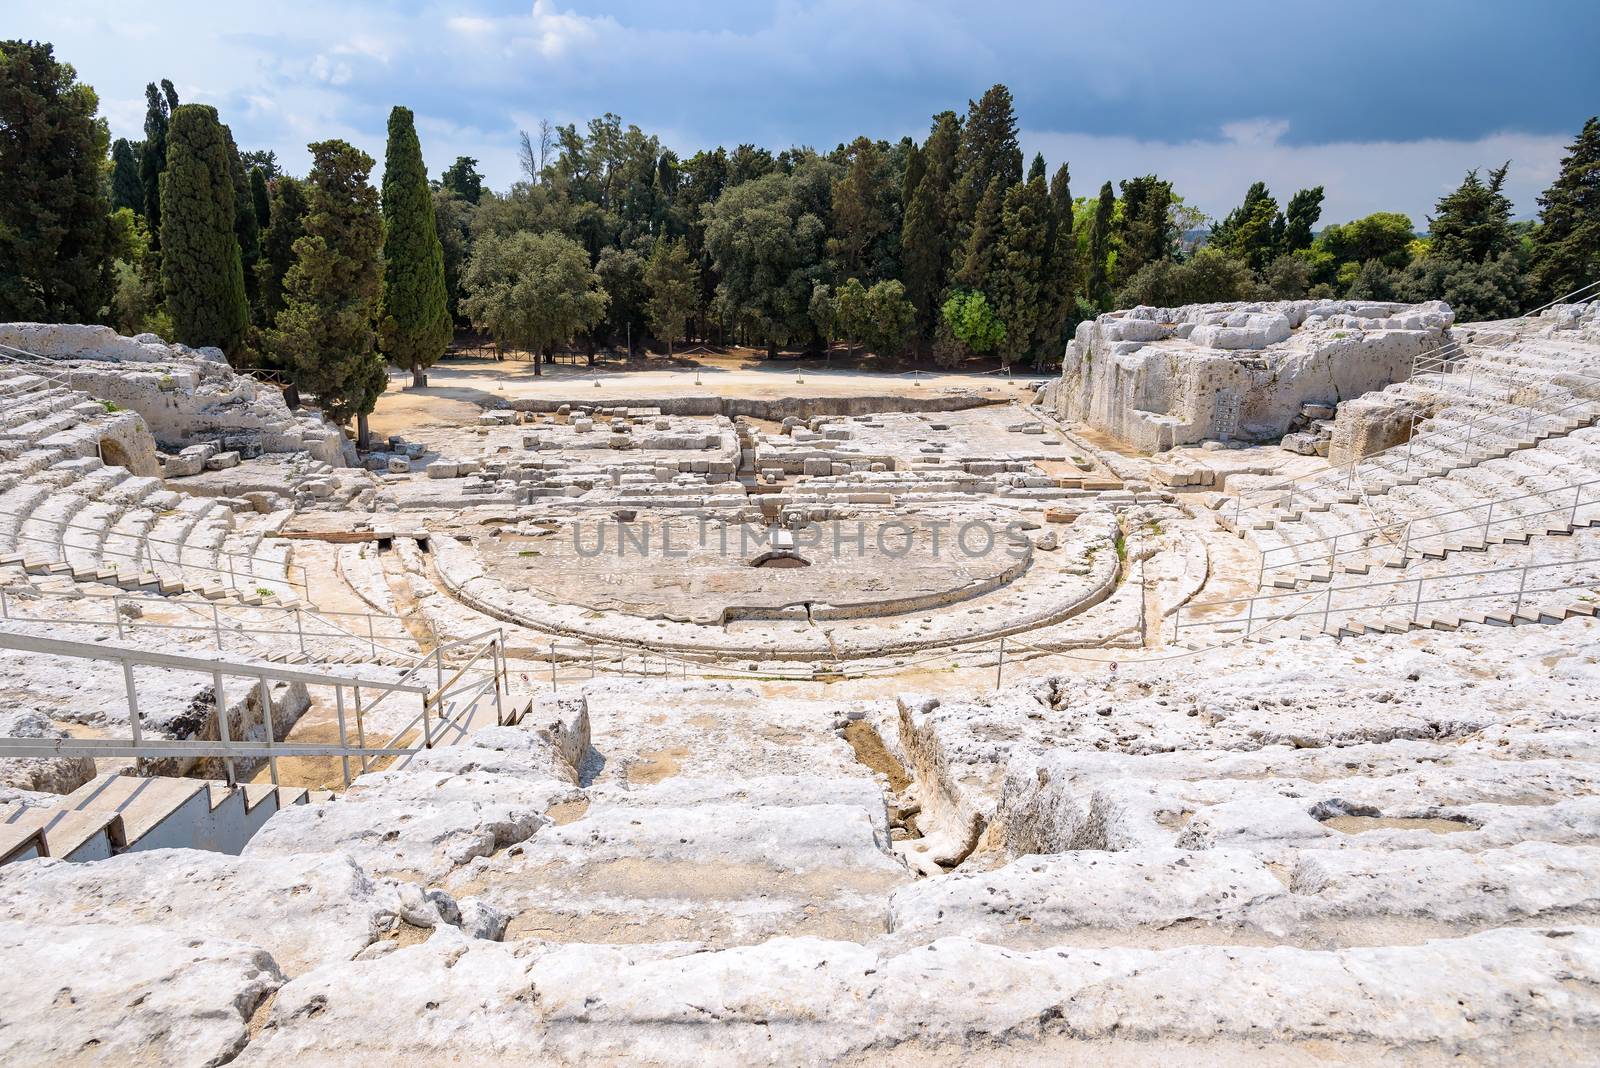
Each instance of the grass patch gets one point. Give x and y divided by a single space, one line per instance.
262 591
111 407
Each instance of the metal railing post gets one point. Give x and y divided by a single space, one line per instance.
427 734
1327 608
216 625
552 667
133 702
1405 545
116 614
361 731
222 725
1000 664
1577 496
1175 624
300 628
344 760
1488 514
1416 606
1250 616
1522 585
266 722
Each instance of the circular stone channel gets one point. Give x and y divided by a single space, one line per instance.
686 570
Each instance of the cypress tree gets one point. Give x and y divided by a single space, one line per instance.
200 265
989 150
1305 208
413 317
159 106
1036 169
1145 230
127 191
260 198
324 334
245 226
1098 281
288 213
979 256
1566 243
1058 290
1017 279
55 231
924 248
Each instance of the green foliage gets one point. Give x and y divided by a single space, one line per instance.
924 242
1472 223
55 237
260 198
1475 291
531 291
126 189
160 103
1058 284
765 238
673 281
452 219
265 161
246 229
1144 233
413 314
988 152
863 213
889 318
973 322
201 272
1254 231
288 213
621 273
1097 284
1372 281
1565 252
1287 277
1016 283
462 179
850 312
982 249
1383 236
1211 274
1300 218
324 335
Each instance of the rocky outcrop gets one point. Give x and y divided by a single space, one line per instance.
186 396
1160 377
51 775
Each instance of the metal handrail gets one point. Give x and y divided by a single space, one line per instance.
1253 621
1407 526
145 543
456 717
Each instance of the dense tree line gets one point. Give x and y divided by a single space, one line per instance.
949 248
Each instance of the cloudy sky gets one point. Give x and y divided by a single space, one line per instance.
1385 102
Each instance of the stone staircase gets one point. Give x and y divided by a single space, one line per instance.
113 814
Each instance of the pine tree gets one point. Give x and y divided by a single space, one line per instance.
200 266
260 198
1472 223
979 256
462 178
924 248
126 189
1566 243
1059 286
55 233
988 151
1098 280
1036 168
325 334
1017 278
288 214
413 318
1144 233
674 284
1301 216
160 103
